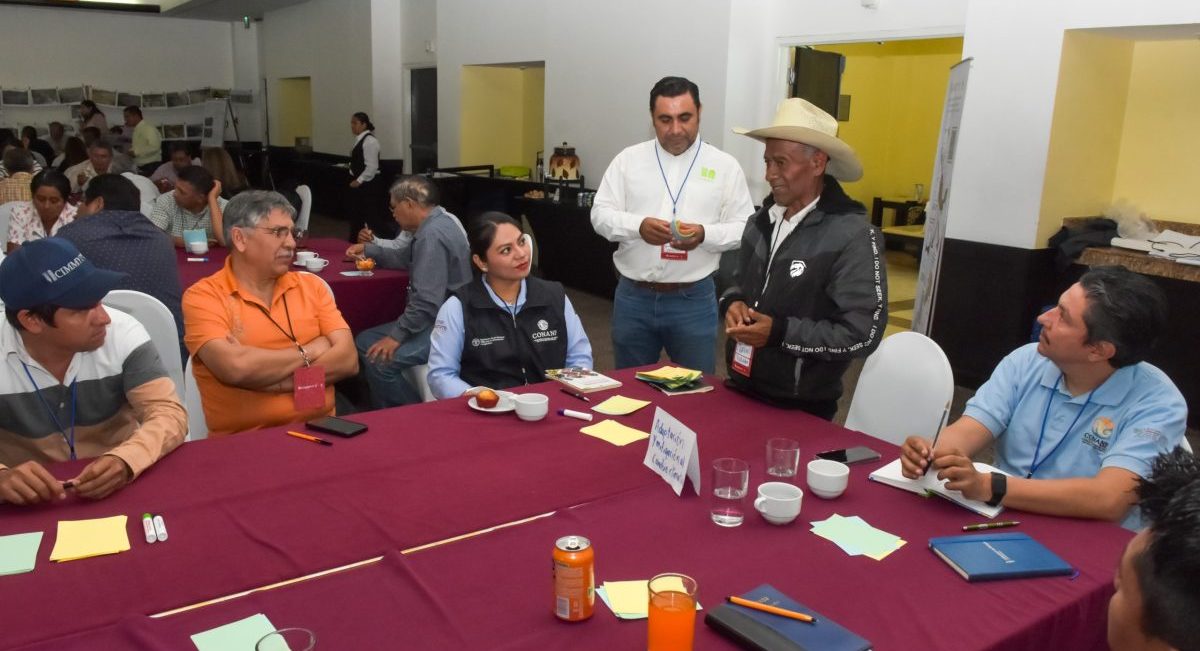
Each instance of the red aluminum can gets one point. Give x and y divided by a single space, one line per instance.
574 578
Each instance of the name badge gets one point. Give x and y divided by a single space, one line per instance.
671 253
743 358
308 387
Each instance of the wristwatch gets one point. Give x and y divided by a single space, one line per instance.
999 488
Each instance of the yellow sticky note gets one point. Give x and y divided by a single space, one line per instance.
632 598
668 373
620 406
614 432
84 538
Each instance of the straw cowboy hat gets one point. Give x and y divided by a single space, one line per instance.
798 120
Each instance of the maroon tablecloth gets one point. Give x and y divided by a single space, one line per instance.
260 507
364 302
493 591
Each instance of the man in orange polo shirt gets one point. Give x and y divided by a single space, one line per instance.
269 343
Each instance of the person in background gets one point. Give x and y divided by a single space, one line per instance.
111 231
19 164
74 153
505 328
67 359
8 142
58 137
90 115
36 145
673 204
100 161
167 173
90 135
364 175
1076 418
1158 580
219 163
433 247
146 143
194 204
48 211
258 330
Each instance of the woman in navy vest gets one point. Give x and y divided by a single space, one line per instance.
364 201
504 328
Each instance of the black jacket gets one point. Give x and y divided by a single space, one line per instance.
827 297
501 349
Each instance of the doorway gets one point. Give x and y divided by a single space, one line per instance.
423 142
294 110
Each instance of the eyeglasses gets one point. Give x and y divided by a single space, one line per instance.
280 232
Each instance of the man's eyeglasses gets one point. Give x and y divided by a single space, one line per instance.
280 232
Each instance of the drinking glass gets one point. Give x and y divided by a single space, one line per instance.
783 458
672 613
731 477
295 639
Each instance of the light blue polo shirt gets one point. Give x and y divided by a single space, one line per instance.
1135 415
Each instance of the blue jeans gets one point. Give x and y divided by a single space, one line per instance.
683 322
389 387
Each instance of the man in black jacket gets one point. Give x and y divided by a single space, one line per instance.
810 288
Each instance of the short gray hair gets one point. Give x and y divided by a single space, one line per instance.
416 187
249 208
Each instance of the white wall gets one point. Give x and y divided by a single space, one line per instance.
247 75
1005 133
46 48
601 60
760 32
387 78
330 42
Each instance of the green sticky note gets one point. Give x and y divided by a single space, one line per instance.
18 552
241 635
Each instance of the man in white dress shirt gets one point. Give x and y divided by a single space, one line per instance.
673 204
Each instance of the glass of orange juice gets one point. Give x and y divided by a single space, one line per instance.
672 614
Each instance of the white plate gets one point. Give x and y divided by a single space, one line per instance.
505 405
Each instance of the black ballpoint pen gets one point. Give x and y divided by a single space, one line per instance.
575 394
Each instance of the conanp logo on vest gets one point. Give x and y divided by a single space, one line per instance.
544 334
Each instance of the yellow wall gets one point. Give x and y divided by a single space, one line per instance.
1159 163
1085 136
501 116
896 90
294 110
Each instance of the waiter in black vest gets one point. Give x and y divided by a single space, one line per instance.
365 185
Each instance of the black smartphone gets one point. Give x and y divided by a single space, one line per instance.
337 426
850 456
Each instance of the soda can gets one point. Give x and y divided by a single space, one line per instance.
574 578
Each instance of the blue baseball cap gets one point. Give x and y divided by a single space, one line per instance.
52 271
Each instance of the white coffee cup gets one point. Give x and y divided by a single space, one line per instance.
827 479
305 256
778 502
315 264
197 248
532 406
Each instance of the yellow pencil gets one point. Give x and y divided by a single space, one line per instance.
309 437
774 610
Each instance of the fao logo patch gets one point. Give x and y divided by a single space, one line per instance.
542 324
475 342
797 268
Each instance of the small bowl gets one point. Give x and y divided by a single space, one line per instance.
827 479
532 406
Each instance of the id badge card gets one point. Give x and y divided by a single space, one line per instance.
743 358
671 253
308 387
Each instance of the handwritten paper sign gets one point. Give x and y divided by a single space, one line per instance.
672 452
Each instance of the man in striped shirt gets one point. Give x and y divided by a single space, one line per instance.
78 380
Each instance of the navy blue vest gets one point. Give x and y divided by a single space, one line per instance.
501 350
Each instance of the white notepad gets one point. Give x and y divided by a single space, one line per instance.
891 475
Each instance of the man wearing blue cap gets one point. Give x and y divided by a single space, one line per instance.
78 381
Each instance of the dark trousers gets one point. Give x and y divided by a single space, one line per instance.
366 205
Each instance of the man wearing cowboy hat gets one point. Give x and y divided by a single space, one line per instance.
810 290
673 204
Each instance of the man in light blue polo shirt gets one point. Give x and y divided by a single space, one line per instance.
1077 417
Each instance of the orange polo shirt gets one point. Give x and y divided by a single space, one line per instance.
217 307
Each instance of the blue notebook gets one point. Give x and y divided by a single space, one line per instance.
754 629
990 556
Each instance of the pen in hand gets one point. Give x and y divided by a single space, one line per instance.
936 433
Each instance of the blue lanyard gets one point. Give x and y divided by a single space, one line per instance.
675 197
70 439
1038 464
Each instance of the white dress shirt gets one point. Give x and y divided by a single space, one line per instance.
714 195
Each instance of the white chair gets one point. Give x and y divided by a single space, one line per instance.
417 377
1186 445
305 207
158 321
327 286
197 424
905 388
5 213
146 188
